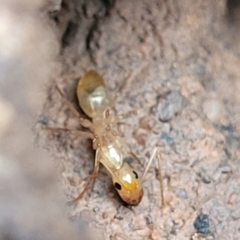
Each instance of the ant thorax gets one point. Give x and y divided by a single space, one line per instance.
102 124
111 154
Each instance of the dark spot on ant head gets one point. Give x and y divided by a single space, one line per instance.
136 175
117 186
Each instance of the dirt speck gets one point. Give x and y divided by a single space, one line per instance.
173 104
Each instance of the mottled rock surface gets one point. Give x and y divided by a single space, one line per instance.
178 63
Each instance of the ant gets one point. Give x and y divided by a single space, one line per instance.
111 150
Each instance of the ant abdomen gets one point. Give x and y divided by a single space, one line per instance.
92 94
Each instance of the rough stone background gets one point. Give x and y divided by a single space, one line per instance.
179 63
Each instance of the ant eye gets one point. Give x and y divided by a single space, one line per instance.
117 186
136 175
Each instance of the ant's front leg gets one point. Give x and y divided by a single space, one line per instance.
160 178
129 151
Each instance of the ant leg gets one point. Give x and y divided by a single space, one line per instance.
160 178
119 91
155 151
91 179
115 237
84 122
97 161
124 144
136 157
124 84
77 132
121 117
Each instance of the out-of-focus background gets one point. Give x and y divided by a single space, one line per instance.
32 205
183 60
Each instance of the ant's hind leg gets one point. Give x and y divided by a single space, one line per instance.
91 179
84 122
77 132
114 98
154 153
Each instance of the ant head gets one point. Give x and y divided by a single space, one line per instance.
128 185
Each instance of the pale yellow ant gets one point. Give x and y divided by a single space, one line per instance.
111 150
